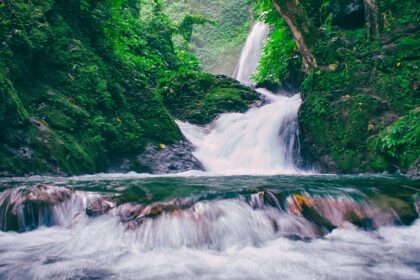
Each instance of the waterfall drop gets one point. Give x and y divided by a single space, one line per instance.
261 141
251 53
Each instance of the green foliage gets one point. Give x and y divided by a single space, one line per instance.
348 107
78 83
218 46
280 57
348 120
401 142
187 24
396 13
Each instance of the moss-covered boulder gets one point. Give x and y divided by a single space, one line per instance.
199 97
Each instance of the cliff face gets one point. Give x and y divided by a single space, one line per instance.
363 115
361 103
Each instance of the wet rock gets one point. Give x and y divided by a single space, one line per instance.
25 209
99 207
404 212
415 169
171 159
263 199
158 159
348 14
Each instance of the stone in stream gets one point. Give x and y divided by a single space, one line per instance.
330 212
99 206
26 208
161 159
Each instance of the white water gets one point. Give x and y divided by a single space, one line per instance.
222 239
261 141
251 53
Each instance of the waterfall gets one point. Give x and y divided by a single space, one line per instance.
260 141
251 53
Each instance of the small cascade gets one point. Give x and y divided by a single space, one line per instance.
201 221
262 141
27 208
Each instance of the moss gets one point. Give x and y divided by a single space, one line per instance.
74 95
11 107
347 111
199 98
400 143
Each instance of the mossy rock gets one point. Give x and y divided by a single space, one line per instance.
199 98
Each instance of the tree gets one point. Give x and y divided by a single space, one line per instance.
304 32
372 18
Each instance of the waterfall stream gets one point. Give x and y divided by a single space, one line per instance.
251 53
260 141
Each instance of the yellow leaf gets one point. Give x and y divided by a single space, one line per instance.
162 146
332 67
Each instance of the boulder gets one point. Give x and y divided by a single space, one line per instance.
161 159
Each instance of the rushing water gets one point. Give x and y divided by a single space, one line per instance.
260 141
310 227
251 53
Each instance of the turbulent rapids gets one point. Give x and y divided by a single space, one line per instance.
210 228
267 213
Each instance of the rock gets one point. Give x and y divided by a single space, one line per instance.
173 158
99 207
348 14
199 98
26 208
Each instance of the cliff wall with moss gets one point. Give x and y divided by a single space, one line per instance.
361 103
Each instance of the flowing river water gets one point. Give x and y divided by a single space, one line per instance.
235 227
242 218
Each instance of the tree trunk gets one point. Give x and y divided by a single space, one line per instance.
304 33
372 18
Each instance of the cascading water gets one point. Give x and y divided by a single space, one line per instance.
209 228
260 141
251 53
